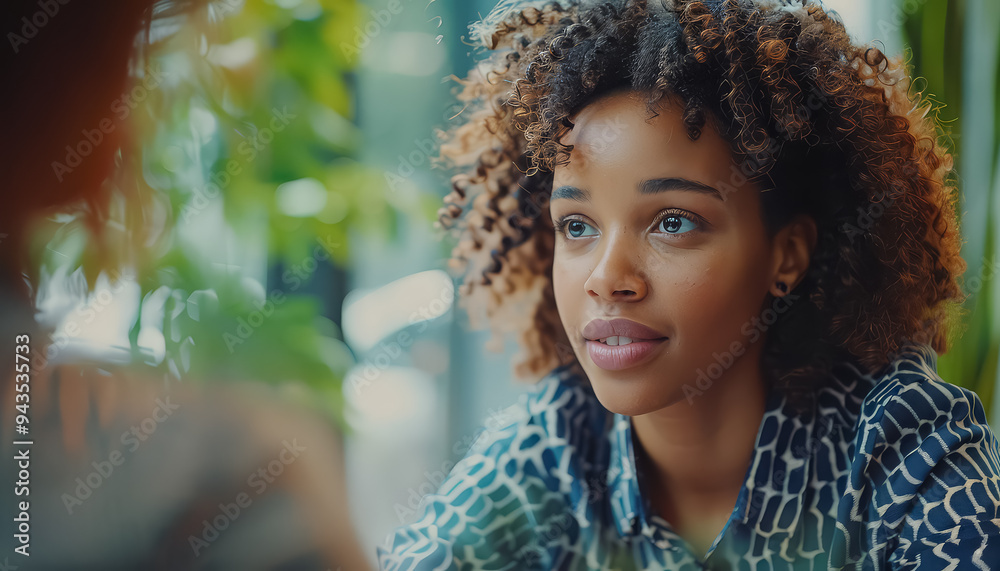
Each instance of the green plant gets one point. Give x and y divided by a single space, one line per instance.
953 45
242 155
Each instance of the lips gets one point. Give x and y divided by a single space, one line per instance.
600 330
621 343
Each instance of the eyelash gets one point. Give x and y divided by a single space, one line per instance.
699 222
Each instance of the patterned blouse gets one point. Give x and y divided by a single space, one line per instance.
895 472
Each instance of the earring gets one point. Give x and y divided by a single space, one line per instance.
783 287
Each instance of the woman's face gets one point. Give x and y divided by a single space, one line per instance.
663 231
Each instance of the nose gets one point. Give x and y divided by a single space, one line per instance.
617 276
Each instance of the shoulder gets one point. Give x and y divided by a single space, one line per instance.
557 412
926 465
514 481
911 406
905 394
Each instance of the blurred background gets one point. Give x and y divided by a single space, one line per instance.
268 222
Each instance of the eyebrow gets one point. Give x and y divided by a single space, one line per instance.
649 186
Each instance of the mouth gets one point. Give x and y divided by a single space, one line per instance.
621 343
616 353
619 340
618 330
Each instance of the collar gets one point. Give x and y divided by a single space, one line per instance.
770 501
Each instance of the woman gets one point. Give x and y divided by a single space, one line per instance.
731 232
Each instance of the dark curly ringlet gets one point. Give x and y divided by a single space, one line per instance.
827 127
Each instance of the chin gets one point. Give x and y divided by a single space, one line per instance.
631 397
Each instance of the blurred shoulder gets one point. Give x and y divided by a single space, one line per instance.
513 484
559 410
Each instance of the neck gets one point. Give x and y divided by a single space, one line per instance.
696 453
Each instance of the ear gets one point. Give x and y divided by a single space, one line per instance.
793 247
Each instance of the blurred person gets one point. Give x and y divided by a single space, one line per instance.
123 468
724 235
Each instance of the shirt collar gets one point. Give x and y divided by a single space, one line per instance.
774 472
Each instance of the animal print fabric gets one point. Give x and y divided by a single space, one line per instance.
895 472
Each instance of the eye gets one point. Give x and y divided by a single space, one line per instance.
677 222
574 228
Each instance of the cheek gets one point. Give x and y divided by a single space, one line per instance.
564 282
692 297
568 279
711 297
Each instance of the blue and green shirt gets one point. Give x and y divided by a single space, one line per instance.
895 472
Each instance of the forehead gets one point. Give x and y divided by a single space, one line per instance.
616 134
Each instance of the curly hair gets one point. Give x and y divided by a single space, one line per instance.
829 127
